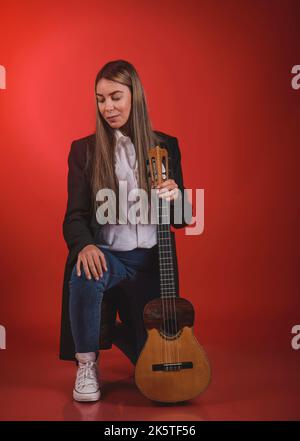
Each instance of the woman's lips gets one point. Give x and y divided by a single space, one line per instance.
112 117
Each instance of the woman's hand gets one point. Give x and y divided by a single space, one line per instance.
93 261
168 190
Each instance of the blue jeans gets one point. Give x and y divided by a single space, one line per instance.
136 272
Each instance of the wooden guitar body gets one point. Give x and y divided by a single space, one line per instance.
172 365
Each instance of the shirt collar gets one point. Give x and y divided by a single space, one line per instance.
119 134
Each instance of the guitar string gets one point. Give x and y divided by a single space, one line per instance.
166 321
163 342
164 347
172 301
168 318
173 343
171 316
168 304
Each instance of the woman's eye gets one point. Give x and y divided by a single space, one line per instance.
114 99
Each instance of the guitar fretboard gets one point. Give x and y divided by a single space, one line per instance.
166 264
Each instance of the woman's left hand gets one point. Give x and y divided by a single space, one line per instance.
168 190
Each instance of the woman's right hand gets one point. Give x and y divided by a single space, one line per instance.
93 261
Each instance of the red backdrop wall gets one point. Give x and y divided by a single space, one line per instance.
217 75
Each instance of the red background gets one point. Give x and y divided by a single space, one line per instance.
217 75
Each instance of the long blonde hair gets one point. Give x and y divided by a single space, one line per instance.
101 157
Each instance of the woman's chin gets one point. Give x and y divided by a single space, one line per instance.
114 124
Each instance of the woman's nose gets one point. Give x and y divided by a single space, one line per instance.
109 107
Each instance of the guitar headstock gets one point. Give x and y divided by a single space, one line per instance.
158 165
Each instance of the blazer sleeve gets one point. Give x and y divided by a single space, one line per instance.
76 231
178 178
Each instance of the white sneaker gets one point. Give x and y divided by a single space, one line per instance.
87 383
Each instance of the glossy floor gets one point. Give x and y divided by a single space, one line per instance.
246 385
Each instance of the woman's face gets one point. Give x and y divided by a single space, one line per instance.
114 102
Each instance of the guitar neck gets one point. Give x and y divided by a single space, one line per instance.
166 263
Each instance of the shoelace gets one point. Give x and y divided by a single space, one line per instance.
87 374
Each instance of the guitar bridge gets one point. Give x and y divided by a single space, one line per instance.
172 366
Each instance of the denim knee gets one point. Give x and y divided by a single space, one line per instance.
82 279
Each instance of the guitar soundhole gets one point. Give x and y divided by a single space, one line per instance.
169 328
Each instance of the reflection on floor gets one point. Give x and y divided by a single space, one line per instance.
246 385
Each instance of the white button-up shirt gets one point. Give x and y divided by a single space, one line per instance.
127 236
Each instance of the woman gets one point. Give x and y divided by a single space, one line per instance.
104 256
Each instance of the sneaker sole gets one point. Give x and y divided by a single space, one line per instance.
95 396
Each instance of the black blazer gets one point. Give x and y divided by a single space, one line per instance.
80 228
